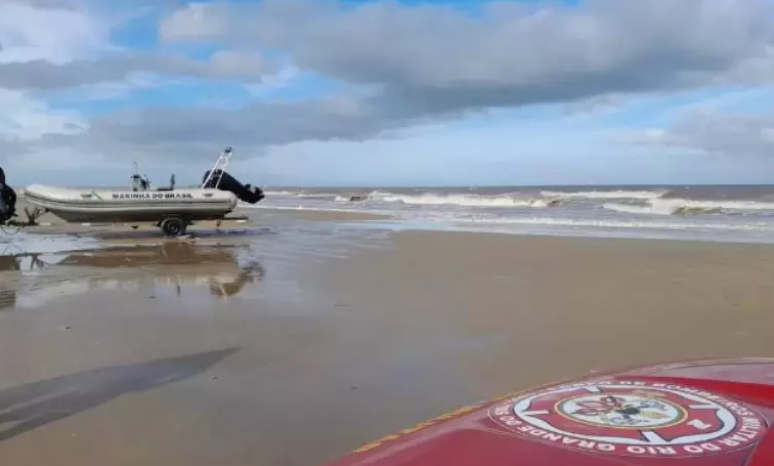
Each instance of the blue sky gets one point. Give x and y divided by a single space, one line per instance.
375 92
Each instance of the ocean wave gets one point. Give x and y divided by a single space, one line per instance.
302 208
634 209
542 199
465 200
616 194
427 198
691 207
281 193
324 196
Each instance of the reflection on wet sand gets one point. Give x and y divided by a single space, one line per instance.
9 263
221 268
8 295
36 404
7 299
18 263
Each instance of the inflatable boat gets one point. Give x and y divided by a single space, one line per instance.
172 209
700 413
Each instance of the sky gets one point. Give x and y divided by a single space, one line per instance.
388 92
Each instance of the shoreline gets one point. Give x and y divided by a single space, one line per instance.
394 223
397 221
719 213
356 218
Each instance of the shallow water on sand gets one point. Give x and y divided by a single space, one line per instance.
38 268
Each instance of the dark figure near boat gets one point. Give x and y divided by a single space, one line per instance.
7 200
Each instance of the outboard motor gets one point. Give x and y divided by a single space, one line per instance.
7 200
226 182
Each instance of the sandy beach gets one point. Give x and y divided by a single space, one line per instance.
297 337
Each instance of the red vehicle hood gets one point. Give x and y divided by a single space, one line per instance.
706 413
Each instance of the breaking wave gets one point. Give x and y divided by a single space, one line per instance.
617 194
692 207
280 193
317 196
524 199
465 200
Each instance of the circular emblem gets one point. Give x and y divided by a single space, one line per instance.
632 418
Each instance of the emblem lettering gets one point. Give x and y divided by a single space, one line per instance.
153 196
633 418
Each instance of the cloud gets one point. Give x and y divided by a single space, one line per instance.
49 30
145 133
428 62
23 118
443 60
26 121
725 134
44 75
394 65
56 44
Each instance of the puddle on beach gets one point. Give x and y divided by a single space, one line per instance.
38 268
29 279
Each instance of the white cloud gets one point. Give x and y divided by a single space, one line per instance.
436 62
733 135
55 34
282 79
195 20
110 90
23 118
552 52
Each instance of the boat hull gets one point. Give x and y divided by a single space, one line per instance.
116 206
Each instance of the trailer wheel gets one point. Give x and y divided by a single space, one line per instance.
173 226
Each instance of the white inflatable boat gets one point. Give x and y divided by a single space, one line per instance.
107 206
172 209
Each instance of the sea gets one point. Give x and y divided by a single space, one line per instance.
712 213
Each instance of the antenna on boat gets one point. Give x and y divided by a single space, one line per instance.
135 177
220 165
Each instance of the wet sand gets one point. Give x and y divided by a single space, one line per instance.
321 215
292 346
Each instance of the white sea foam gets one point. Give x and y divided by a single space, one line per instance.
635 209
617 194
317 196
281 193
691 207
464 200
